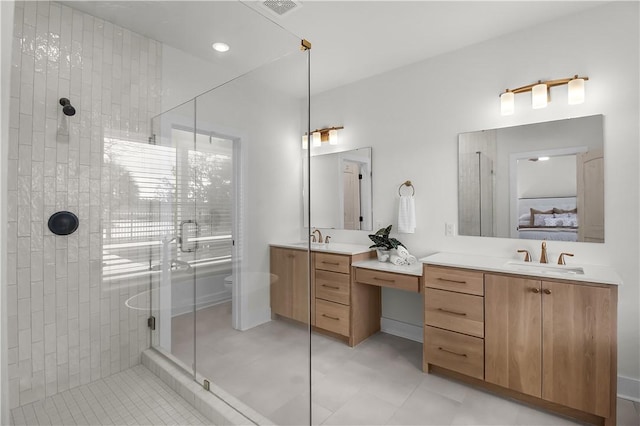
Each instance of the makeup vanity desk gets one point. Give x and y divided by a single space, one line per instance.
369 276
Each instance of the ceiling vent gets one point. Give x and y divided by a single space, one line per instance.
281 7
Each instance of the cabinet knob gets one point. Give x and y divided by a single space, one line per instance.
547 291
535 290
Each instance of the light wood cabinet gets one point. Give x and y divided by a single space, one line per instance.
513 333
554 340
336 310
578 347
289 292
454 320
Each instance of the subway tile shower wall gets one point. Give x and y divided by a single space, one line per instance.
66 326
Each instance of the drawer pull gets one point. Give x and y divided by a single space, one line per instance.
464 314
384 279
451 281
330 263
547 291
535 290
330 317
452 352
331 287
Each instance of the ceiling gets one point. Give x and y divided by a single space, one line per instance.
351 40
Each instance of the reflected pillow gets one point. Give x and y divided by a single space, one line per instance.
557 210
540 220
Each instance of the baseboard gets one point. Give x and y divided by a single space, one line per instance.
203 302
401 329
629 388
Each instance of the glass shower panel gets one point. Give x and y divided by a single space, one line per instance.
173 211
248 173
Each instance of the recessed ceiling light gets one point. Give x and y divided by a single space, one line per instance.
220 47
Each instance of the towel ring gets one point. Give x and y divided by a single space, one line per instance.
409 184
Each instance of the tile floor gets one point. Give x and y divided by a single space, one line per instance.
132 397
379 382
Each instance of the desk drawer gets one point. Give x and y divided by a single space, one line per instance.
333 262
388 279
453 279
332 317
332 286
459 312
454 351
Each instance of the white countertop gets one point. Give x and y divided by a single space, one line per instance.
337 248
415 269
592 273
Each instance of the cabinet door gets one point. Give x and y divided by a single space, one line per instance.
513 328
300 286
289 291
577 341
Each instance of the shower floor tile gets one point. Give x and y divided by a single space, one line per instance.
132 397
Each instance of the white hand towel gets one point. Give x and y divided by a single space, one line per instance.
407 215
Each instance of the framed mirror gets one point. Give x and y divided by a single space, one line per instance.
341 190
542 181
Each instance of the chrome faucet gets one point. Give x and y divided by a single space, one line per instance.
543 254
319 235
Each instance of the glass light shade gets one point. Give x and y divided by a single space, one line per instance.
333 137
539 96
507 103
576 91
305 141
317 139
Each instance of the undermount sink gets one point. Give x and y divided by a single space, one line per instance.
544 268
313 245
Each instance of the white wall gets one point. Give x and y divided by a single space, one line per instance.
6 39
555 177
412 116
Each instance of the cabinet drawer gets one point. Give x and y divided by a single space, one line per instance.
332 317
388 279
332 286
333 262
454 351
460 280
459 312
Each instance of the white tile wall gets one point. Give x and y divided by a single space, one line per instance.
66 327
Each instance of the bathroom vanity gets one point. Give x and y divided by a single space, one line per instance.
545 335
346 287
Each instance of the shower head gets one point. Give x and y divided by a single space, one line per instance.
67 109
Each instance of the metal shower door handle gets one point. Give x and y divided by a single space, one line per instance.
181 238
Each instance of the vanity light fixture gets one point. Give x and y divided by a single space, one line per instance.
540 93
329 134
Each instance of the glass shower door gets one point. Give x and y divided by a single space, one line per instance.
172 267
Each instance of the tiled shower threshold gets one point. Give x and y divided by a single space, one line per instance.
217 405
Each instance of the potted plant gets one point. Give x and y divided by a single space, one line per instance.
383 244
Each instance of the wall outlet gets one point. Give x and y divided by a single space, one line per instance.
449 229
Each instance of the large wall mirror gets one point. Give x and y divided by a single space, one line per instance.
542 181
341 190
